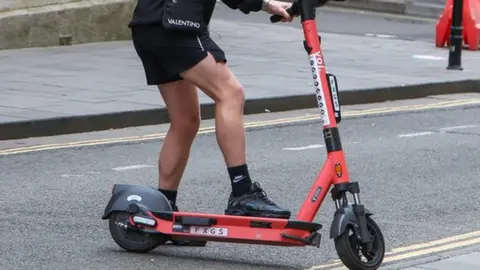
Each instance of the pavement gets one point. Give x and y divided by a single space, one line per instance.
419 8
350 22
405 154
468 261
64 90
51 23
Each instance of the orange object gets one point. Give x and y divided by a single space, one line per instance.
470 23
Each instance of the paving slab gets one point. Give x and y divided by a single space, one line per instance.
57 85
470 261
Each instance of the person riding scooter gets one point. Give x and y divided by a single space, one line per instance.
179 61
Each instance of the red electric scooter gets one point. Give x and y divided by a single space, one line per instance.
141 218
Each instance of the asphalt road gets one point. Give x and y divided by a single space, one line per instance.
418 173
349 22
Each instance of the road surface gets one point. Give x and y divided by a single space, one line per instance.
418 173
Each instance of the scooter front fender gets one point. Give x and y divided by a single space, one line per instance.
344 217
125 194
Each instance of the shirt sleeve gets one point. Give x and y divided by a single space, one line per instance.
246 6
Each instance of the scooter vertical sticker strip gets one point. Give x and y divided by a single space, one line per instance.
316 62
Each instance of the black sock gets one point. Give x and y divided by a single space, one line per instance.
240 179
171 195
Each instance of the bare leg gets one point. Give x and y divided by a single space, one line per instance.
218 82
181 99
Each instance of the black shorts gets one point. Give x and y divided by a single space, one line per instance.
165 55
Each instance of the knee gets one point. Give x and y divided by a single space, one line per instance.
186 126
232 92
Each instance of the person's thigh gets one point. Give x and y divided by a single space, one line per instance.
188 52
155 49
146 40
200 61
165 54
170 57
212 74
215 79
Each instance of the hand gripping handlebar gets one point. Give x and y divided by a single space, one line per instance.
293 10
303 8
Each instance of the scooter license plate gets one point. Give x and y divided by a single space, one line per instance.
209 231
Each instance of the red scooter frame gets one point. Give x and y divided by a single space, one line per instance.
149 212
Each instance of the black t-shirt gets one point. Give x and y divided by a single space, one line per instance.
150 12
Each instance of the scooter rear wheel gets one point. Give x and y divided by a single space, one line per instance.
353 254
132 241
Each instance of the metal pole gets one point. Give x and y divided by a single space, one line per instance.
456 37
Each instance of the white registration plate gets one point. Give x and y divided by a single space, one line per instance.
209 231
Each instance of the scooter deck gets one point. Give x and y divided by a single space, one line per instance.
239 229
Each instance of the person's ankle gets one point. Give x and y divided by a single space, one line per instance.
240 179
171 196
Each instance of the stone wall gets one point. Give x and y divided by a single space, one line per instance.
20 4
59 23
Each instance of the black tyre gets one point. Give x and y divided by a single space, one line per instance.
354 255
132 241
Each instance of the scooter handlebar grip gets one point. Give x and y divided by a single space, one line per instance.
277 18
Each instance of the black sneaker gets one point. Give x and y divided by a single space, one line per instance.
190 243
255 203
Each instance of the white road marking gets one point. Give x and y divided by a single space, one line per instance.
71 175
428 57
380 35
313 146
416 134
132 167
425 133
386 36
457 127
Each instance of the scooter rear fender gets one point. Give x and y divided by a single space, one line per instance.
344 217
125 194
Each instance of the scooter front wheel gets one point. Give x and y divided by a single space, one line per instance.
132 241
354 255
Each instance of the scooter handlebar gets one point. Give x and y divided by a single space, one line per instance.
293 10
